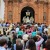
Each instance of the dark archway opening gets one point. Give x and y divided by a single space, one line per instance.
24 13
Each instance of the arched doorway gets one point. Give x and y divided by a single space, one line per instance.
27 14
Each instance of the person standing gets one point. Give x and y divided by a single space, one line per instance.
3 44
9 44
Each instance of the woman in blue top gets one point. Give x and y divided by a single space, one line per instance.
34 33
20 33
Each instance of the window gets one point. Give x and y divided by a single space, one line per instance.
28 0
10 15
44 16
10 1
19 1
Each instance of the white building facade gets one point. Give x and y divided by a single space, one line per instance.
2 6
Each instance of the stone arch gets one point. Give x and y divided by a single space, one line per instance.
27 4
23 13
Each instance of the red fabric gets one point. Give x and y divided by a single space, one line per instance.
22 27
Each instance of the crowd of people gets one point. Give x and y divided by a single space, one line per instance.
25 37
4 24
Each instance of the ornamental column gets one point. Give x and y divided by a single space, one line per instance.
40 13
6 8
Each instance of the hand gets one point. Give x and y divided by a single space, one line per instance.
38 36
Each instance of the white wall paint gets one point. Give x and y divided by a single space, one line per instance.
2 10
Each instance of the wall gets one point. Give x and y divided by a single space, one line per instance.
39 9
2 9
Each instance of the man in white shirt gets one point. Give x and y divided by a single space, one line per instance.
2 48
3 44
17 29
25 37
45 29
0 25
38 42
